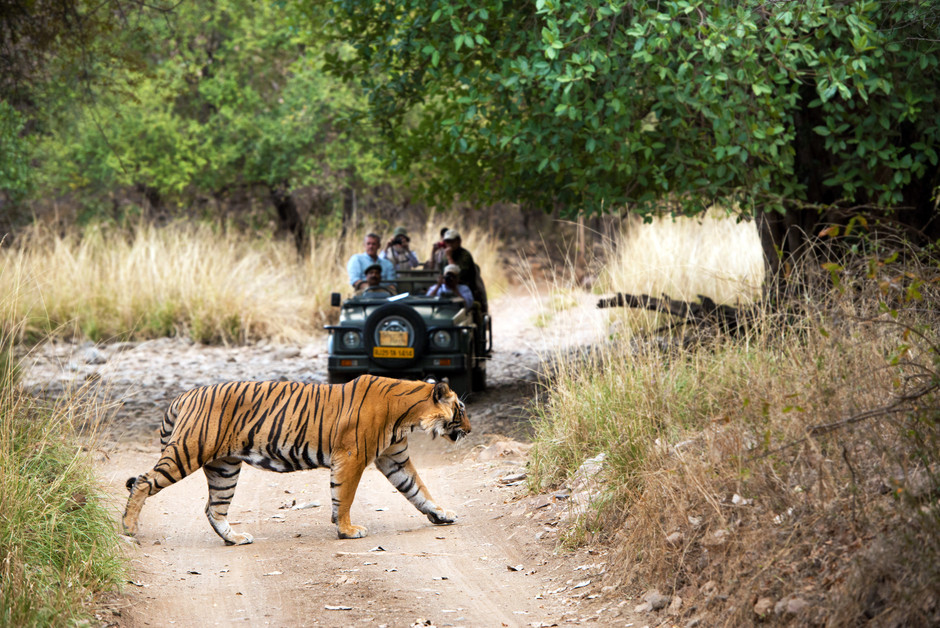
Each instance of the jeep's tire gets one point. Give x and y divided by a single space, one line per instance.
462 383
479 377
411 318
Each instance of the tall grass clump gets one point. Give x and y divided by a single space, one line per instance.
59 548
713 254
182 279
791 472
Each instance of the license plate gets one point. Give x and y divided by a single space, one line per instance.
393 338
393 352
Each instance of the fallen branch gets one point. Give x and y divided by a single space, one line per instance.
703 312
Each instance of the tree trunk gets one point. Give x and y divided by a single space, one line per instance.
771 227
349 211
785 237
153 211
288 218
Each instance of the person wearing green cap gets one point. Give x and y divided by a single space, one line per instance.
398 250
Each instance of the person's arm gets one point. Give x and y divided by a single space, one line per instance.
472 274
354 270
388 271
436 288
467 295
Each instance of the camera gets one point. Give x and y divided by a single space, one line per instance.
399 240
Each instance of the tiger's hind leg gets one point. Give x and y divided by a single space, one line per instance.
396 465
222 477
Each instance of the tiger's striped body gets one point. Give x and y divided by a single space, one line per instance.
283 426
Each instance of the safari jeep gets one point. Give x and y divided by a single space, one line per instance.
410 336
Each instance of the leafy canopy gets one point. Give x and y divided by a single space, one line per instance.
227 96
57 52
589 104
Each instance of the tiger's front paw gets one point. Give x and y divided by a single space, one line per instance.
239 539
442 517
353 532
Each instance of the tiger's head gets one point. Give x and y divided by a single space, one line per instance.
449 417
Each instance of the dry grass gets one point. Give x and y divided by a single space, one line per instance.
786 463
185 279
179 280
713 255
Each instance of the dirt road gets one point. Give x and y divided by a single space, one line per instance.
495 567
487 570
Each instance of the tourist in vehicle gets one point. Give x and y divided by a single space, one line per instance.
455 254
373 283
437 260
448 285
357 264
398 251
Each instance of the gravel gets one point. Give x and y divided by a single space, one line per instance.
135 381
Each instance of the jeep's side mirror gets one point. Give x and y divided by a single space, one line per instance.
335 299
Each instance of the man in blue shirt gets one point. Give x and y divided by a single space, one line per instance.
447 286
356 267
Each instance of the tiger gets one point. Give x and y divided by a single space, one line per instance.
289 426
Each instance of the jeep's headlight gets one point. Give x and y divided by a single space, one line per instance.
441 339
352 339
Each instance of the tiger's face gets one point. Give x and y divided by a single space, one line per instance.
450 416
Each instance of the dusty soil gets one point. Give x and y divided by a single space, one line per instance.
497 566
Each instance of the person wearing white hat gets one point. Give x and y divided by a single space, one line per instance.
454 253
448 286
438 259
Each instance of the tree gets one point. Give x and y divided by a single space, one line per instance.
55 50
228 99
794 111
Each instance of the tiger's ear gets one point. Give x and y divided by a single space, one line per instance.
441 390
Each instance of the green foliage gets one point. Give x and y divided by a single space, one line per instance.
14 150
225 98
57 55
592 104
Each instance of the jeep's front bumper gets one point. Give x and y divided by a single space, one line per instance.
437 364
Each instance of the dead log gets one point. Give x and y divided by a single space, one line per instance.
703 313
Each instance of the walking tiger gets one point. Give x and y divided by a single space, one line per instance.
284 426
